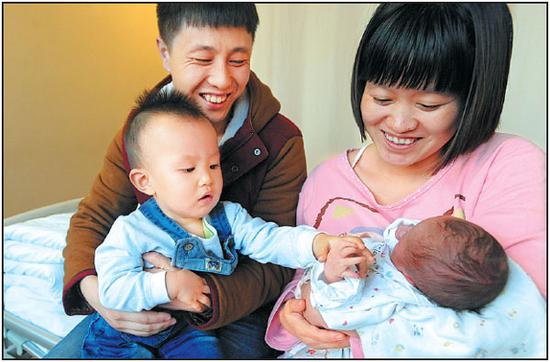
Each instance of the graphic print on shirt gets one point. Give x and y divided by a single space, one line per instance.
339 210
458 208
347 213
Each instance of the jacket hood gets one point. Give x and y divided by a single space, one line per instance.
263 105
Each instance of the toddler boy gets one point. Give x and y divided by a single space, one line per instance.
173 152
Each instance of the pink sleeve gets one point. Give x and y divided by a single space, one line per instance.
276 336
512 206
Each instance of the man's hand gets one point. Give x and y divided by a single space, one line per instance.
187 291
348 256
145 323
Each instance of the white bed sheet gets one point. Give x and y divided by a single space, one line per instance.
33 272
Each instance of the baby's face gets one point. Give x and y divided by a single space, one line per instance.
183 162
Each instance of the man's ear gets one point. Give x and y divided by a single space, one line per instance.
141 181
164 52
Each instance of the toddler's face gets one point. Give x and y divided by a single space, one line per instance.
183 162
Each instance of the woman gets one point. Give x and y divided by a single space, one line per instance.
428 88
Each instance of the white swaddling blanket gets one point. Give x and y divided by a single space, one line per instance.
33 272
394 320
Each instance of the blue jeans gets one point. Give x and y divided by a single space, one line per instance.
243 339
177 341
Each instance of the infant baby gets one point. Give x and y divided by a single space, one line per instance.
442 261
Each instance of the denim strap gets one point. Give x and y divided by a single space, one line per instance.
219 221
152 211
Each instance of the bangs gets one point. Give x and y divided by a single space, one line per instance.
420 47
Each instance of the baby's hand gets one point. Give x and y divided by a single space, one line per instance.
348 256
187 291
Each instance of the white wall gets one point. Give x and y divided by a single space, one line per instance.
526 99
66 92
305 53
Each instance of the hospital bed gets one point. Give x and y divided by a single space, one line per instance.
33 317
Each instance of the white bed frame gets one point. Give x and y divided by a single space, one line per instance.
21 338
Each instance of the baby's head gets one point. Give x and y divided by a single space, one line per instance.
455 263
173 154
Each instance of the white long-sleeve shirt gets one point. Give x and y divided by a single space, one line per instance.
124 285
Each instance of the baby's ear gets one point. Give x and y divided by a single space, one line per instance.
409 279
141 181
402 230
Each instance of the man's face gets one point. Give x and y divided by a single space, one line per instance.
211 65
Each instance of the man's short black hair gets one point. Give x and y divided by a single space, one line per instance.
171 17
150 103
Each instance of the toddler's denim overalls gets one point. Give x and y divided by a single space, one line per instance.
179 340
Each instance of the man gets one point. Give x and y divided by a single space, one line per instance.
206 48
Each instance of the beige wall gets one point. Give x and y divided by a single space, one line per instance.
71 73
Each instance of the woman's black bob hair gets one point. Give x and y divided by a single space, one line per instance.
462 49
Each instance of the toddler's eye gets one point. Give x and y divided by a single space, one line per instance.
214 166
188 170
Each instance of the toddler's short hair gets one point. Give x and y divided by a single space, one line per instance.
149 104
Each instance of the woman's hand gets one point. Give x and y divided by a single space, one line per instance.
145 323
292 319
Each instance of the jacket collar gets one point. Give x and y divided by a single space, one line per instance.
245 150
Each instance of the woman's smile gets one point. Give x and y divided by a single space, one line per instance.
401 142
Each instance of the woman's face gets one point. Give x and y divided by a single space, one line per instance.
408 126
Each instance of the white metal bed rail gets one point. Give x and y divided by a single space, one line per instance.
25 336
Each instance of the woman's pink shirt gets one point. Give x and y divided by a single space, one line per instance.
501 186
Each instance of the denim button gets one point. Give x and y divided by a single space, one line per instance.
257 152
235 168
188 246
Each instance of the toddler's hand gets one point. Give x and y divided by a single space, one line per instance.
348 256
187 291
